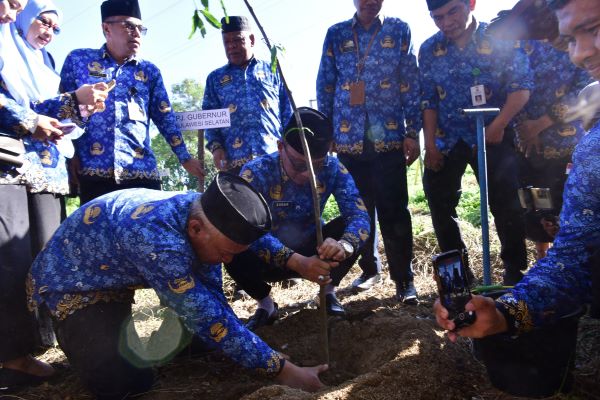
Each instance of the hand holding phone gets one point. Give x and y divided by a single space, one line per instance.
453 287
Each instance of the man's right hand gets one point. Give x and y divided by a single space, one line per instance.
92 95
47 129
489 320
311 268
434 159
304 378
220 159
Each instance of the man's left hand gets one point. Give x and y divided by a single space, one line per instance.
194 167
331 249
411 150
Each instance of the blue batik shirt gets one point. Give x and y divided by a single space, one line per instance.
448 73
557 83
45 169
292 210
560 283
138 238
116 143
258 104
391 109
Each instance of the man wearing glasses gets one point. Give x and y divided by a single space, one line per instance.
290 249
115 151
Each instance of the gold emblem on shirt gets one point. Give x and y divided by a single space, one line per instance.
237 143
347 46
104 267
218 332
360 204
385 84
264 255
329 52
441 92
567 130
387 42
95 69
97 149
91 214
141 76
176 140
164 107
345 126
346 86
391 124
138 153
440 50
226 80
232 108
141 211
182 285
560 92
485 48
364 235
275 192
404 87
247 175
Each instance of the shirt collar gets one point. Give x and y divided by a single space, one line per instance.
252 61
105 54
379 20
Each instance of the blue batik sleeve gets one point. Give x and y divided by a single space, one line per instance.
410 88
214 137
327 77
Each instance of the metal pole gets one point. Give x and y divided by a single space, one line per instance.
479 114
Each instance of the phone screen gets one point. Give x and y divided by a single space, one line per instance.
452 281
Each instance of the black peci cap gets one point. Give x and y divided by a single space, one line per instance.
435 4
318 131
129 8
236 209
235 24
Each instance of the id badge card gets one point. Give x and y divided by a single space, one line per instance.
478 95
135 112
357 93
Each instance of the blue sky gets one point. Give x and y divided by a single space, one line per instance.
298 25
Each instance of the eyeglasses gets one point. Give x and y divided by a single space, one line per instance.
299 165
130 27
46 23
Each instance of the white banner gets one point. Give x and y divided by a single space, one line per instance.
204 119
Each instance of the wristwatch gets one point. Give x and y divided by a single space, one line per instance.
348 248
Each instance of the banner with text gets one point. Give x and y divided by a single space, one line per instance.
204 119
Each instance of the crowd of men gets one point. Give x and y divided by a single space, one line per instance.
374 97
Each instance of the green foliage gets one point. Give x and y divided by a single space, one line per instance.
187 96
274 61
72 204
198 24
331 210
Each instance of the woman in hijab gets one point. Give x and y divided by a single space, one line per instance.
36 27
22 117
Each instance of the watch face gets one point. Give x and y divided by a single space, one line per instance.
347 247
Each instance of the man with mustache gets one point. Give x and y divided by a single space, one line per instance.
255 96
115 151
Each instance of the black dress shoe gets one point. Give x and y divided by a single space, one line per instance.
334 307
261 318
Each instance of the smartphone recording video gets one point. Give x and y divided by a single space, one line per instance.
453 286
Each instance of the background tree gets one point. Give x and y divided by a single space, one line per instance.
186 96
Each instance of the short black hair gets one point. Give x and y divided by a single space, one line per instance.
557 4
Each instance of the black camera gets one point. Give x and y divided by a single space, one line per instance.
453 287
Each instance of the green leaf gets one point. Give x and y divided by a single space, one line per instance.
211 19
205 4
273 59
224 11
196 24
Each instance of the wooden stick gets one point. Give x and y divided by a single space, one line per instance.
313 186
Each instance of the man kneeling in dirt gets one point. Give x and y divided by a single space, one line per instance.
171 242
290 250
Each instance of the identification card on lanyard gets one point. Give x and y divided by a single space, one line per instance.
357 93
357 88
477 91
